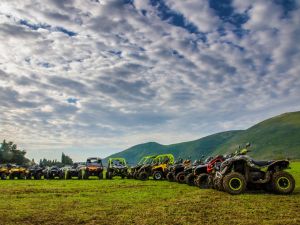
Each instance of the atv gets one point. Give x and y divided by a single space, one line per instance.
144 161
53 172
203 174
179 172
15 171
173 169
158 169
72 171
4 172
35 172
189 172
93 167
116 167
240 172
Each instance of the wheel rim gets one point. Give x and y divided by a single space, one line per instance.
181 178
283 183
235 183
158 176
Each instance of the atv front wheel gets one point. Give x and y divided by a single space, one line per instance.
180 177
234 183
3 177
157 175
170 177
190 179
203 181
100 176
143 176
283 182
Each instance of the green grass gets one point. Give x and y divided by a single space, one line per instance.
136 202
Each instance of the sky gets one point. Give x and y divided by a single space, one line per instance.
94 77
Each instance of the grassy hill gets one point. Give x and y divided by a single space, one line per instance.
194 149
277 137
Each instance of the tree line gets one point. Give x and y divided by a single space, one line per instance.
9 153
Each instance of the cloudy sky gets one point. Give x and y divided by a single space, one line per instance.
93 77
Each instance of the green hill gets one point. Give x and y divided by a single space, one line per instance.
194 149
277 137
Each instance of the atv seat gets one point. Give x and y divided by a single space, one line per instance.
262 163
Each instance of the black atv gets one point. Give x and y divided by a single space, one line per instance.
116 167
35 172
189 172
72 171
177 168
53 172
240 172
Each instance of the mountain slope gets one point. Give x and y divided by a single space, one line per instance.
194 149
275 138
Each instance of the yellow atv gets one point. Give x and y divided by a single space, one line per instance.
3 172
158 170
15 171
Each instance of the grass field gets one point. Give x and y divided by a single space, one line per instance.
136 202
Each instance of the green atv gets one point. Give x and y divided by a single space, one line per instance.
158 169
116 167
144 161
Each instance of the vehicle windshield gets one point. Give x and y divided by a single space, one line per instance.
94 161
118 162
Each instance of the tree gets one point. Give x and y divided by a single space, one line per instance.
9 153
66 160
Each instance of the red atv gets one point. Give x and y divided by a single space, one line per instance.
204 173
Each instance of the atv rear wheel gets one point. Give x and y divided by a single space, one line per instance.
283 183
234 183
170 177
100 176
158 175
180 178
143 176
203 181
190 179
37 176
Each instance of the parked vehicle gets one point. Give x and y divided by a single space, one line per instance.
93 167
72 171
240 172
16 171
158 169
35 172
4 172
116 167
203 174
179 172
189 172
53 172
144 161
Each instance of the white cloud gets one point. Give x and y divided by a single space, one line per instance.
136 77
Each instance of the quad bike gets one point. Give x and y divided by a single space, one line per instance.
35 172
72 171
53 172
15 171
116 167
189 172
92 167
180 173
240 172
174 169
4 172
158 169
203 174
144 161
